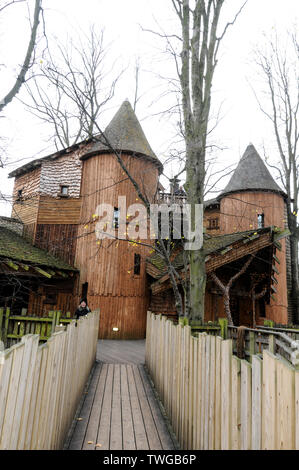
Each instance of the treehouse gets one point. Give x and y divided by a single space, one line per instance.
32 278
57 199
250 210
241 276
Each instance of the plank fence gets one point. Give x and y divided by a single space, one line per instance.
216 401
41 385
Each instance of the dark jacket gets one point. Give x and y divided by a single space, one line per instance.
80 312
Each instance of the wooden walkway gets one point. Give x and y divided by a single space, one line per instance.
120 410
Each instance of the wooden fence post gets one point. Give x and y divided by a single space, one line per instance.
1 321
223 325
7 313
257 365
251 344
236 403
269 424
226 394
285 406
245 405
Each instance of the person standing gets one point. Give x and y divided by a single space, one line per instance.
82 309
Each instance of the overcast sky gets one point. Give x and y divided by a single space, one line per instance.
241 121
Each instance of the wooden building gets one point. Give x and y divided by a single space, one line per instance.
57 199
32 278
250 202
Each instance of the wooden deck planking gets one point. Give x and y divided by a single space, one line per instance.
82 421
149 424
95 412
129 442
165 438
120 411
103 437
121 352
139 428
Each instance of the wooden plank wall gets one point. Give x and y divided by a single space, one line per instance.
41 386
215 400
58 239
108 265
53 210
128 314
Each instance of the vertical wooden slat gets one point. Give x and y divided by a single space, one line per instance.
207 392
218 394
256 403
226 397
6 360
212 384
27 377
297 410
12 393
285 407
203 390
269 401
236 403
245 405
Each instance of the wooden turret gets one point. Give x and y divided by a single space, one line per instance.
251 200
114 270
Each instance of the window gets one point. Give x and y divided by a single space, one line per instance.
116 215
260 221
19 194
213 224
137 258
262 307
64 191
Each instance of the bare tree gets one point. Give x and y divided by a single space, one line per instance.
70 92
225 288
200 41
29 53
279 70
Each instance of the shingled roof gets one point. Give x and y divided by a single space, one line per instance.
251 174
124 134
212 246
15 248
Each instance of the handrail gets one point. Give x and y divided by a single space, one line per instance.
281 345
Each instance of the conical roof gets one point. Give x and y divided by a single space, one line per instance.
251 174
124 133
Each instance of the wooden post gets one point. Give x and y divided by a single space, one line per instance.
226 394
285 405
269 423
53 322
256 430
223 325
7 313
236 403
245 405
58 315
251 344
1 321
272 344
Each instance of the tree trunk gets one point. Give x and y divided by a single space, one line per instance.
294 295
197 284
